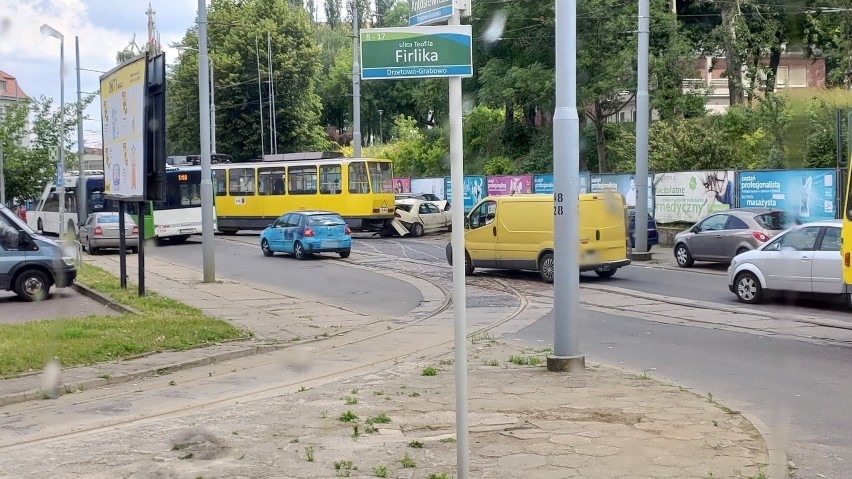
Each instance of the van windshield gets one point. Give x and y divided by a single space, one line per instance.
13 218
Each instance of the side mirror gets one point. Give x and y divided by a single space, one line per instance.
269 225
466 222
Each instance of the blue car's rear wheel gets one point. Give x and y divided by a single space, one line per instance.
264 246
345 254
299 251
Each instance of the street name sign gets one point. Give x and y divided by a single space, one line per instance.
417 52
429 12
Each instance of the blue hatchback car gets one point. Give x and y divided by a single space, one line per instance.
302 233
653 236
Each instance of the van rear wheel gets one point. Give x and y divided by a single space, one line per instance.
545 267
468 265
606 273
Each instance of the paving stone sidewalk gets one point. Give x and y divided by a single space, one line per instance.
525 422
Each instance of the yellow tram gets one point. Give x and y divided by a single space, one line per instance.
250 196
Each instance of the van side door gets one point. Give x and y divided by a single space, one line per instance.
481 236
11 253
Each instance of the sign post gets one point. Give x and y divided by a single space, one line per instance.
436 52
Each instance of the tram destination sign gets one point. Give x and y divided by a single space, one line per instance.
416 52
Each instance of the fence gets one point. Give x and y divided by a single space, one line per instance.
674 197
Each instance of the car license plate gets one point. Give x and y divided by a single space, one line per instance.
330 244
383 210
187 231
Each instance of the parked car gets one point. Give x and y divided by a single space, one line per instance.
720 236
442 205
803 259
653 237
303 233
101 231
30 263
420 216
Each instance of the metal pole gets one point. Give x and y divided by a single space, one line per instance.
140 249
122 247
642 114
381 135
269 91
260 95
212 109
82 208
207 247
356 84
839 138
566 169
459 293
62 138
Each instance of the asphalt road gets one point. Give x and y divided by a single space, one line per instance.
61 303
790 385
322 277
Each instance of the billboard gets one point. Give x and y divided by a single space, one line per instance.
688 196
807 194
123 119
403 185
508 185
543 184
624 184
474 190
429 185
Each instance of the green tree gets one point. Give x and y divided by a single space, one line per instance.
332 13
233 30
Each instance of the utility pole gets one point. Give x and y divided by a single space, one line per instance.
60 167
381 135
642 113
356 83
82 208
273 147
207 247
566 198
260 95
2 178
212 108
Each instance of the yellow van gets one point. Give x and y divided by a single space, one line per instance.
516 232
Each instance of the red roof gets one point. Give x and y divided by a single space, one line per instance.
12 90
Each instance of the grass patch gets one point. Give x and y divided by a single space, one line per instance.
380 419
407 462
490 362
448 440
309 453
415 444
525 360
164 324
348 416
429 371
442 475
350 400
380 471
343 468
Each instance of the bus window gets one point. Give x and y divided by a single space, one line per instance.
270 181
183 190
52 203
358 181
330 179
219 188
303 180
381 176
241 181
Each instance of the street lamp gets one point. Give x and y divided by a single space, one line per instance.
212 102
60 180
381 135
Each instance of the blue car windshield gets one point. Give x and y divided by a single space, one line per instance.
325 220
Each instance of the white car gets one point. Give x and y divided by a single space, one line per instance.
421 217
804 259
442 205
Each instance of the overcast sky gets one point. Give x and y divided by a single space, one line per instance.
104 27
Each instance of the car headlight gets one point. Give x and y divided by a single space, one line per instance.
69 260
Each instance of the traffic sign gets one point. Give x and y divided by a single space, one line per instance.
429 12
417 52
60 177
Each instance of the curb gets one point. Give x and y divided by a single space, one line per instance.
69 388
103 299
777 456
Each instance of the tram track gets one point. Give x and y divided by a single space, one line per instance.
202 377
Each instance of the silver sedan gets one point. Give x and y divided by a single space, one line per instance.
101 230
804 259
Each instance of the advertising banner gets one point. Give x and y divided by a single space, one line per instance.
543 184
509 185
123 118
806 194
474 190
690 195
403 185
624 184
429 185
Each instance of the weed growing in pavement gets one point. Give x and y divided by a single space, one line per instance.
491 362
446 362
716 423
354 391
378 393
350 400
302 389
355 432
309 453
525 360
429 371
414 394
104 376
380 471
186 456
380 419
759 475
343 468
448 440
710 475
294 440
348 416
324 414
172 383
407 462
369 429
486 336
415 444
710 397
442 475
645 376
